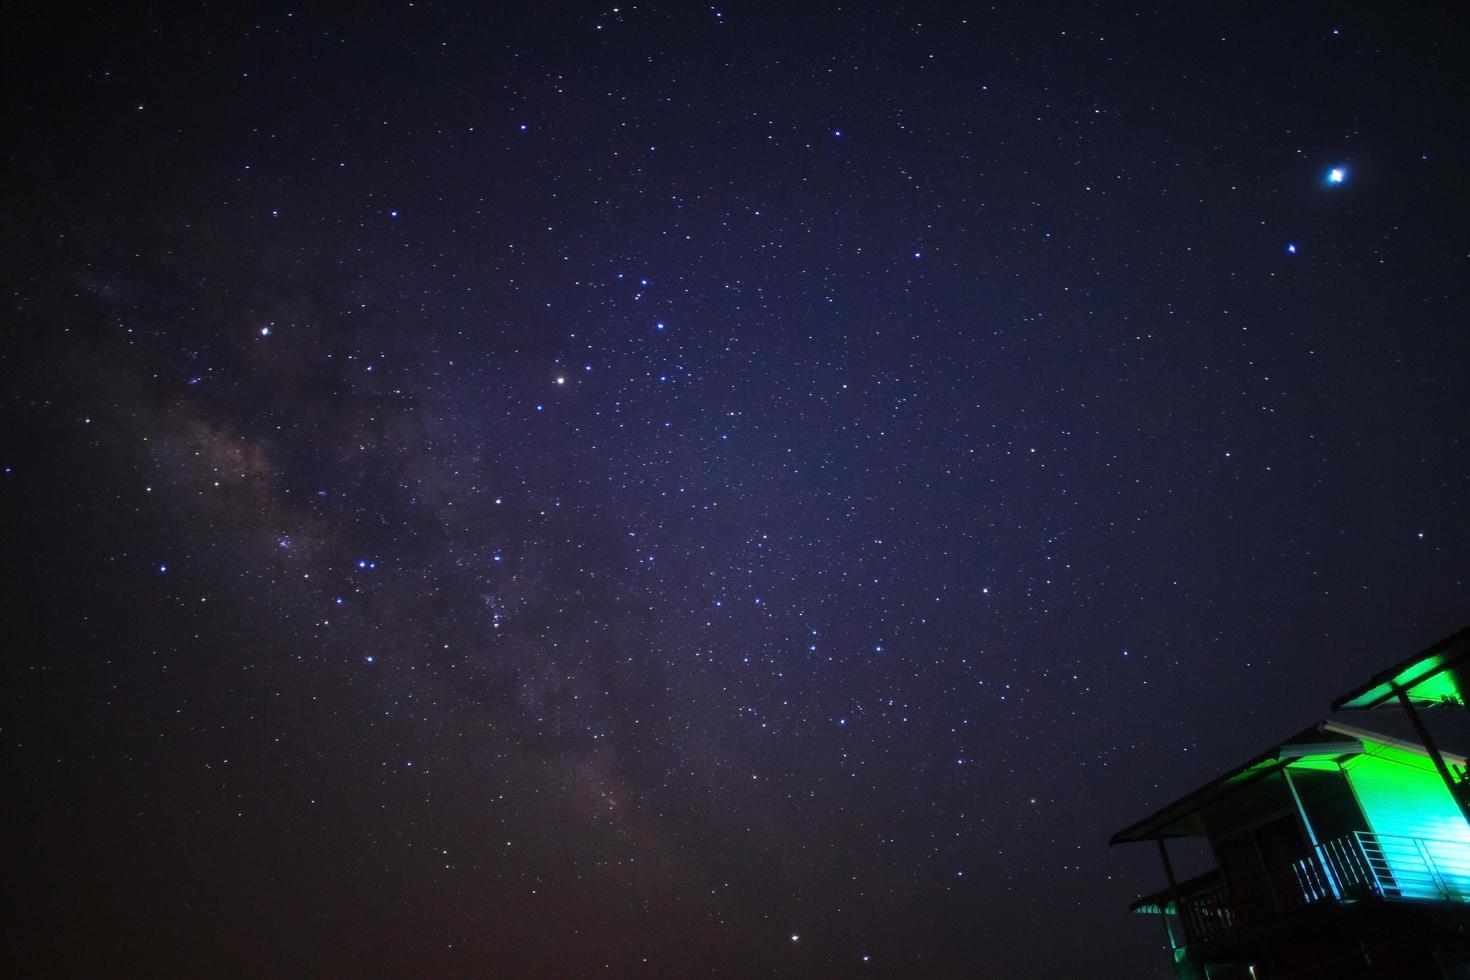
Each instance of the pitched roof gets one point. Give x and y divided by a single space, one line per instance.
1326 739
1437 674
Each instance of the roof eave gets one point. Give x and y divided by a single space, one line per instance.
1384 686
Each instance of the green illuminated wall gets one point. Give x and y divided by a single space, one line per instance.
1403 797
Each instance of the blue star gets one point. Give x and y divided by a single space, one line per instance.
1336 175
1291 248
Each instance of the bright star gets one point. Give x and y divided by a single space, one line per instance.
1291 248
1336 175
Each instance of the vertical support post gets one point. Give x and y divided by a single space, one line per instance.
1168 933
1317 851
1174 891
1433 750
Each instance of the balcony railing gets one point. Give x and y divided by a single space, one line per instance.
1349 868
1398 867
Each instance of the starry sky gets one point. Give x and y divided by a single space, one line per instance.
673 490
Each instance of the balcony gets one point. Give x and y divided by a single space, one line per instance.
1412 868
1348 869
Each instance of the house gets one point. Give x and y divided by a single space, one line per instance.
1339 852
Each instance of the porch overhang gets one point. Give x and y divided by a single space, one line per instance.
1438 674
1325 741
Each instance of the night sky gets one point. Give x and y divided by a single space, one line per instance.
681 490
